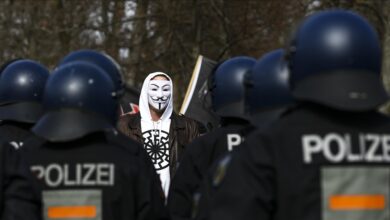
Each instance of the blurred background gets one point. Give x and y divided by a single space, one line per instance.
165 35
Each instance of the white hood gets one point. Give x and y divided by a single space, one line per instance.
143 99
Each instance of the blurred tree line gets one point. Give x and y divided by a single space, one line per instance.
164 35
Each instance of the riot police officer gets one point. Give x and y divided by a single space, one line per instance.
21 89
227 90
81 166
267 98
327 157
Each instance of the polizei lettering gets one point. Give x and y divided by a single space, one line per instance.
87 174
337 147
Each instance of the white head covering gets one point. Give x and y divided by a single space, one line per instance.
143 99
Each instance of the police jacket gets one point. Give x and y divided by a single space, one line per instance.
197 159
100 176
14 133
182 131
313 163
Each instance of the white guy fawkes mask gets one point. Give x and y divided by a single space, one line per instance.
159 93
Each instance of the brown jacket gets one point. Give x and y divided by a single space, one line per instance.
182 131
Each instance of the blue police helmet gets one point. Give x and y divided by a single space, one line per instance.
335 60
268 85
22 83
78 100
103 60
227 86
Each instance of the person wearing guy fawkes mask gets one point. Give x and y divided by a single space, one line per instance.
163 132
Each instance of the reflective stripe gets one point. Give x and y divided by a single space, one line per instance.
355 192
356 202
72 212
76 204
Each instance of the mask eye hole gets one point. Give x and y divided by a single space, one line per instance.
153 88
